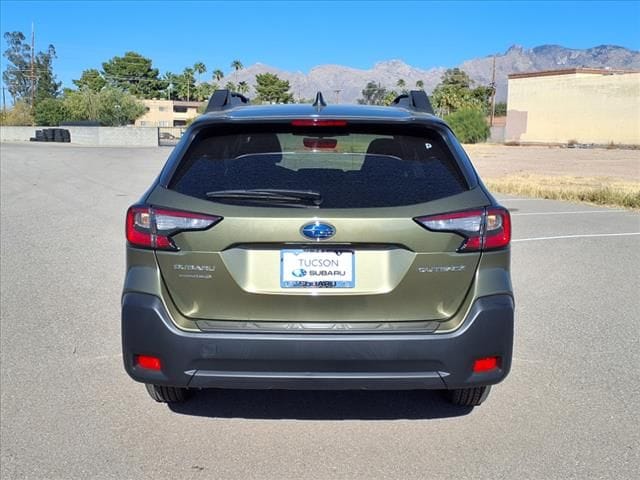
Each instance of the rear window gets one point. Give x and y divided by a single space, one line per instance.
348 167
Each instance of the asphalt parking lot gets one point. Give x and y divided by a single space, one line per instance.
568 410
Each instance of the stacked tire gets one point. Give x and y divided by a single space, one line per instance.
61 135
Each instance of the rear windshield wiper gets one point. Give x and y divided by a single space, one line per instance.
289 198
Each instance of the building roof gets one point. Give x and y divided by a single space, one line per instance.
570 71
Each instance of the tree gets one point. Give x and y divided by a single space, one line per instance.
110 106
19 115
50 112
501 109
243 87
188 84
401 84
17 75
455 92
271 89
199 68
203 91
420 85
230 86
134 74
389 97
217 75
373 94
236 65
91 79
469 125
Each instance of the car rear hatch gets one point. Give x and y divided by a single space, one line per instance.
315 223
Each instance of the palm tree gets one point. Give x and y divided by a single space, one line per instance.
420 85
199 68
188 80
218 74
243 87
236 65
401 83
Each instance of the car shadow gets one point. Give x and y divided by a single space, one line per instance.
319 405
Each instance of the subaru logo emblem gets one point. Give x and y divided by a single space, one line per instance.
318 231
299 272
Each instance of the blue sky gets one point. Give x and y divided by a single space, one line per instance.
299 35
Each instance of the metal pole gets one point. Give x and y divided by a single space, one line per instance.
33 72
493 90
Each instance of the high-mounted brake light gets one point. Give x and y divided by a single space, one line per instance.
483 229
149 227
316 122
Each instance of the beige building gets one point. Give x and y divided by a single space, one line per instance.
583 105
168 113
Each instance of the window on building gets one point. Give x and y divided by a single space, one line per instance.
163 123
179 109
162 109
179 123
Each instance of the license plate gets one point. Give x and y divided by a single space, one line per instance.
300 268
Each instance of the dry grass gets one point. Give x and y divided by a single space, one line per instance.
596 190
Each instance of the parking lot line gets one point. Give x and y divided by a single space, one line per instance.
569 212
627 234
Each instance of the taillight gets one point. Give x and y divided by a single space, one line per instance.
150 227
483 229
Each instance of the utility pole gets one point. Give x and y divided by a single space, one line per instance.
33 64
337 92
493 90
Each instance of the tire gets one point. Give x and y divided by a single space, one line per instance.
468 397
164 394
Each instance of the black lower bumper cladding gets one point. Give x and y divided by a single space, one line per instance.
386 361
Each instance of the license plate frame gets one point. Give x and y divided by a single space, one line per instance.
290 280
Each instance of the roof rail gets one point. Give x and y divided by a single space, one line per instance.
414 100
223 99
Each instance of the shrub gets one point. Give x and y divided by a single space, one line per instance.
470 126
18 115
50 112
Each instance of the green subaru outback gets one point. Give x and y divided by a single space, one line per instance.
318 247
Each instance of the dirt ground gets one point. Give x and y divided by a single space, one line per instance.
495 161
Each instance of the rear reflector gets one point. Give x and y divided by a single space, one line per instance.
149 227
483 229
485 364
315 122
148 362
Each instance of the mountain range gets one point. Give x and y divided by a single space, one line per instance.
344 84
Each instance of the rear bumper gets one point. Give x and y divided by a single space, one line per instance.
317 361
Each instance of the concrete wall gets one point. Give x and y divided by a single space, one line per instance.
106 136
586 108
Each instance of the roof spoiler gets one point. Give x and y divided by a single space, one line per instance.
414 100
223 99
